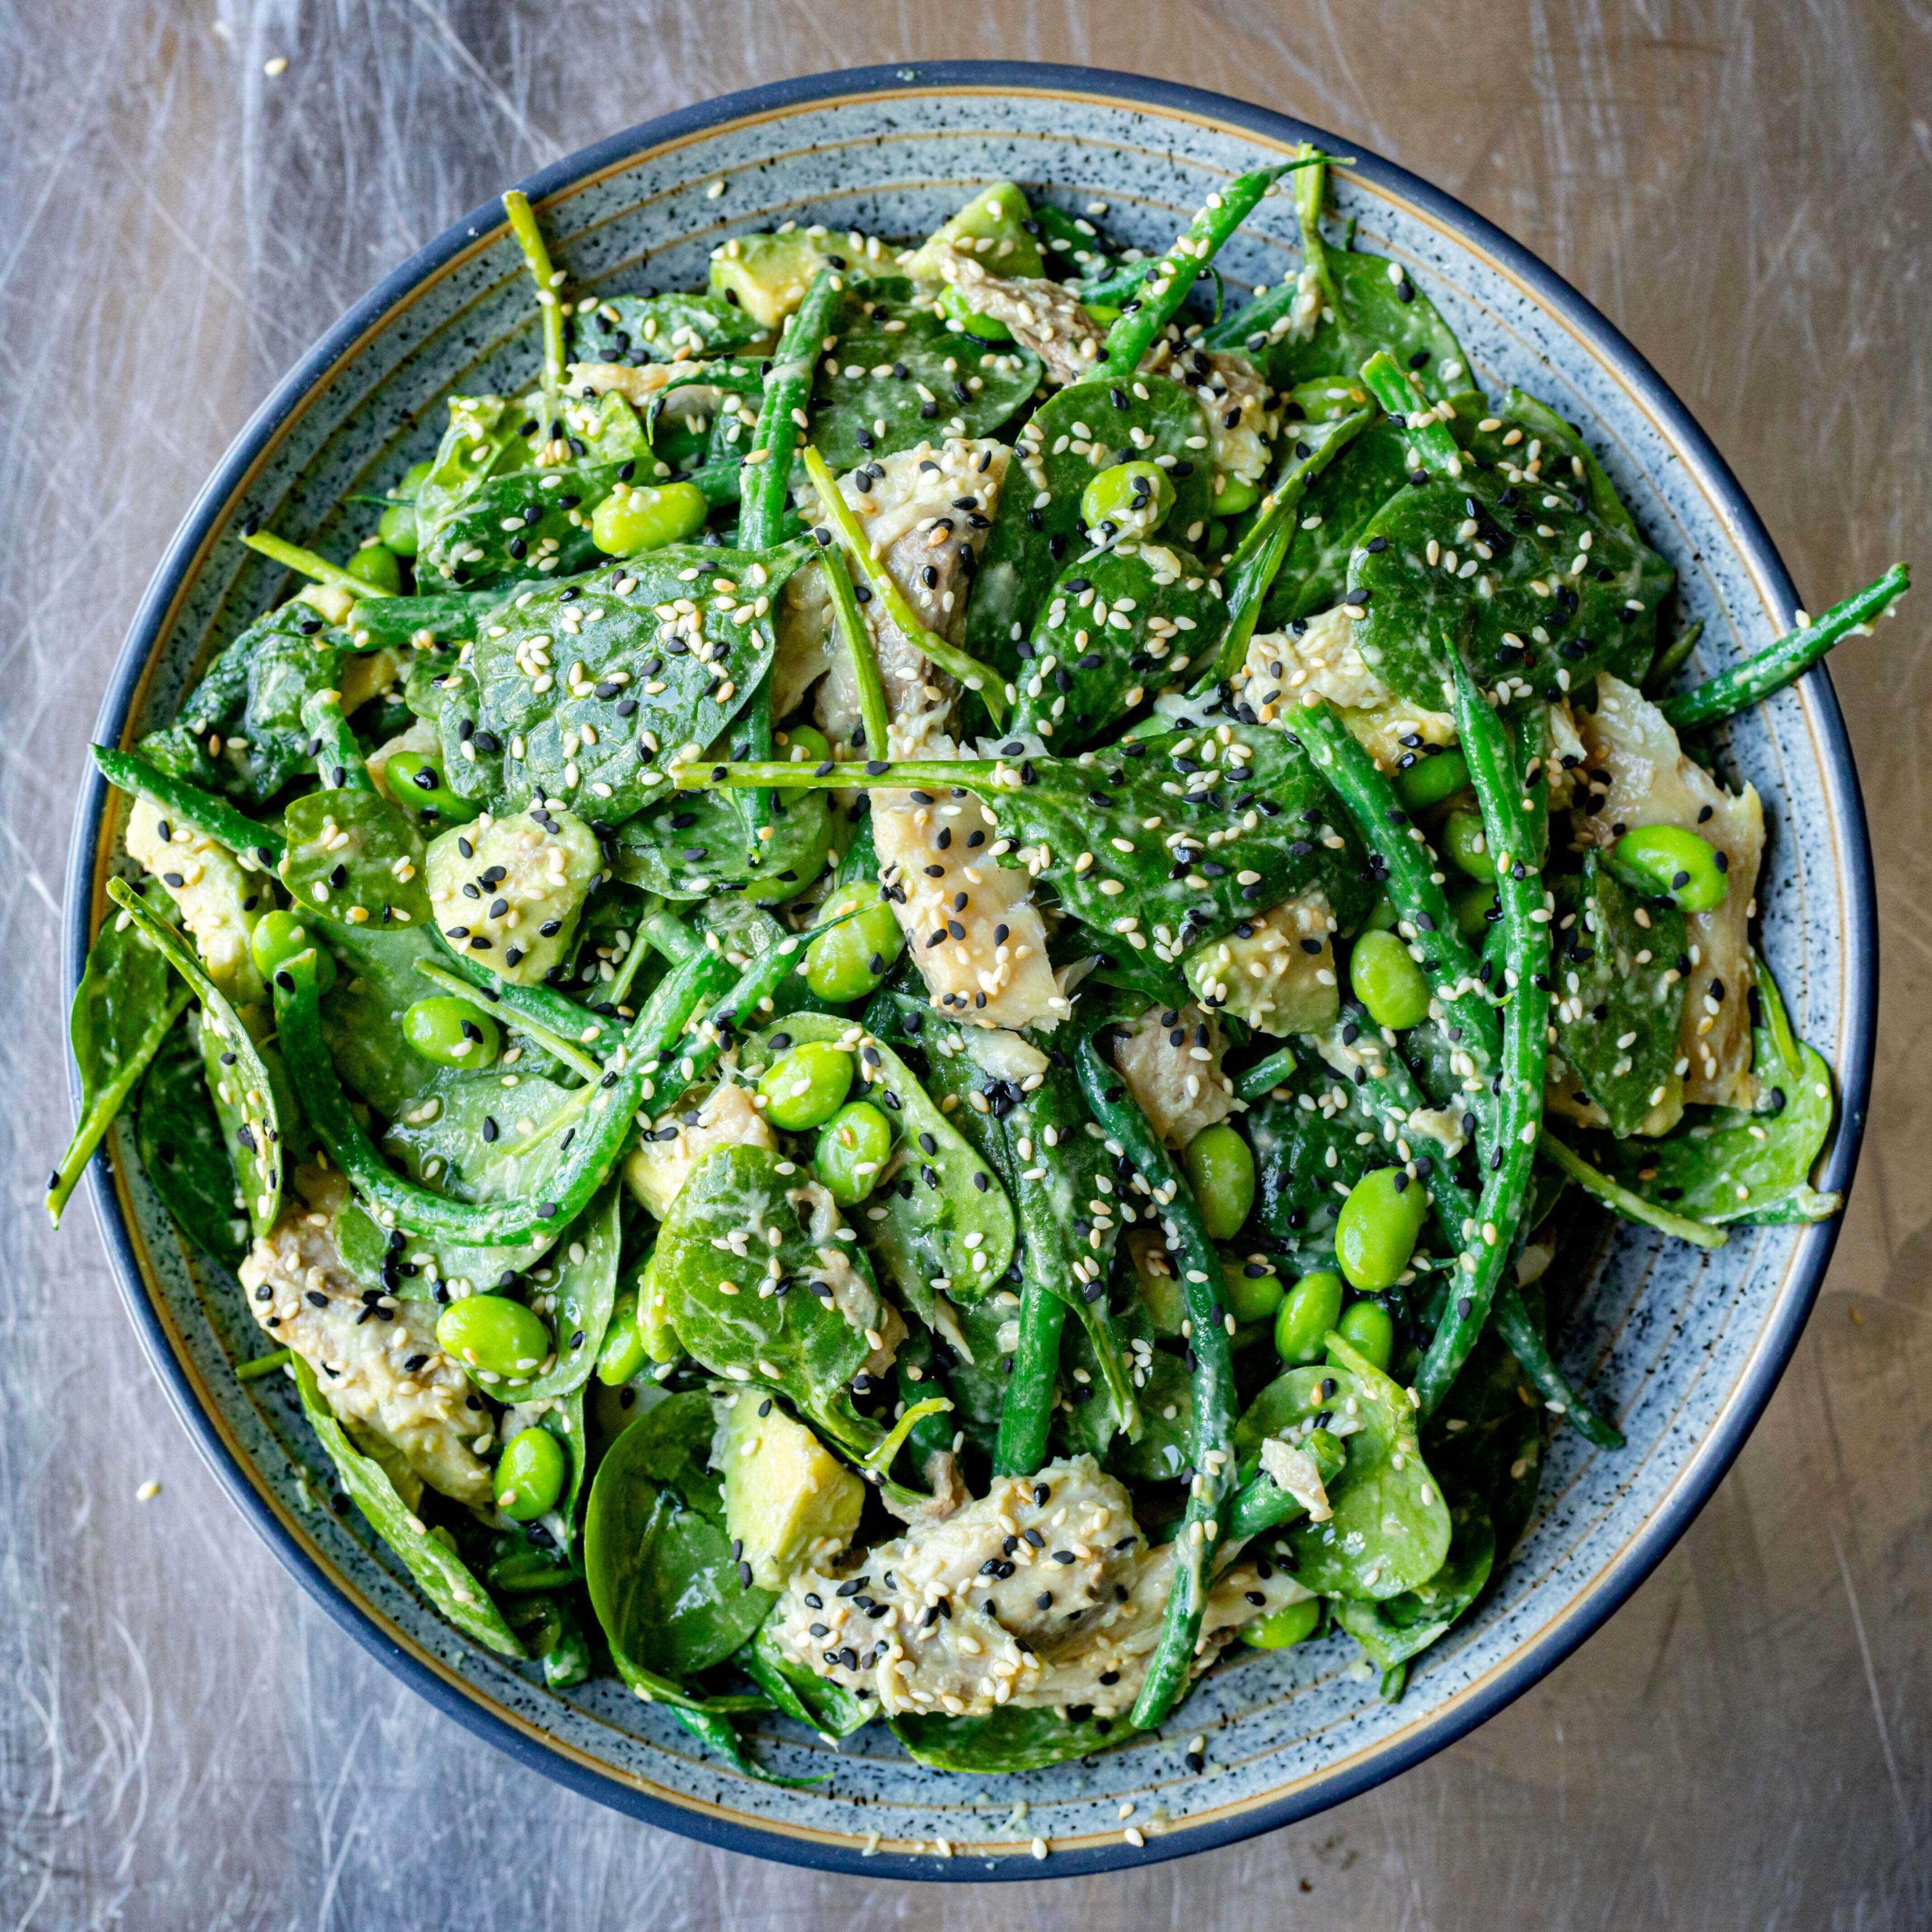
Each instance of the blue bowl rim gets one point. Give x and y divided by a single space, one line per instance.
1805 1275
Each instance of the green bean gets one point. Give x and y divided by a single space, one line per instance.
846 527
1026 1412
558 1045
1265 1076
263 1365
1390 386
1621 1201
529 239
1168 280
339 762
1506 1181
875 721
1789 658
259 847
1211 1443
537 1005
311 564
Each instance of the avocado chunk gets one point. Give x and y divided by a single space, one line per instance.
508 891
1276 973
990 229
788 1504
219 903
767 275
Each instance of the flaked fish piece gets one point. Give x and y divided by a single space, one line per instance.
1172 1063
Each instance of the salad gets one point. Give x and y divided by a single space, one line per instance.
907 1007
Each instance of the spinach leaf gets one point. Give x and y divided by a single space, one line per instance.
660 655
247 1085
1727 1165
354 860
444 1577
673 1448
900 366
1115 626
704 1282
938 1219
1400 1627
522 524
125 1003
1164 1402
693 845
638 329
181 1148
1036 528
1619 997
581 1291
661 1577
486 435
1308 1153
362 1013
821 1703
1390 1530
1008 1739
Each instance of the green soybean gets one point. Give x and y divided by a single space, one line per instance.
1475 909
1388 981
376 563
1128 500
1369 1328
1251 1291
1310 1309
278 937
807 1086
452 1032
1376 1230
854 1146
1432 779
416 780
1221 1170
1294 1624
1237 493
849 962
530 1474
622 1355
499 1338
644 516
1672 863
396 529
1465 846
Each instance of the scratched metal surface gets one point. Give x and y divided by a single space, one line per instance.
185 1741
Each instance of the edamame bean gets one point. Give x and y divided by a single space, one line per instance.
530 1474
1376 1230
1236 494
1432 779
416 780
804 745
1251 1291
847 963
1382 916
452 1032
499 1338
1675 864
622 1355
1128 500
807 1086
396 529
1388 981
954 306
646 516
1466 847
376 563
1312 1307
1369 1328
1476 910
1294 1624
853 1148
278 937
1221 1170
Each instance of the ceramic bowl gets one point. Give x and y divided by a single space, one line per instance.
1684 1348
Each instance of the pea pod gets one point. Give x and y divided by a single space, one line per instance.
258 847
183 1151
339 762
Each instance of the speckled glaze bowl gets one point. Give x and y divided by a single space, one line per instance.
1684 1348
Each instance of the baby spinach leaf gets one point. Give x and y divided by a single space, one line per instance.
1008 1739
674 1449
1164 1403
362 1014
525 524
1616 1019
823 1705
1115 626
260 1132
902 368
581 1294
1390 1530
181 1148
796 1339
666 661
444 1577
1308 1153
693 845
638 329
1727 1165
662 1576
1036 528
354 860
938 1219
125 1003
1400 1627
485 436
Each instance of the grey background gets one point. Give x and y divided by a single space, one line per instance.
1745 188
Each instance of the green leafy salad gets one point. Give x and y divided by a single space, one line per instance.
907 1006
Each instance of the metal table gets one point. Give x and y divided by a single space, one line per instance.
185 1741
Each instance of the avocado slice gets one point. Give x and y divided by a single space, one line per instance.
767 275
1276 972
787 1501
990 228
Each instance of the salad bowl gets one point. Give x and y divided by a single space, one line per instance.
1683 1346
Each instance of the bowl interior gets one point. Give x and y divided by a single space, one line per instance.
1682 1347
